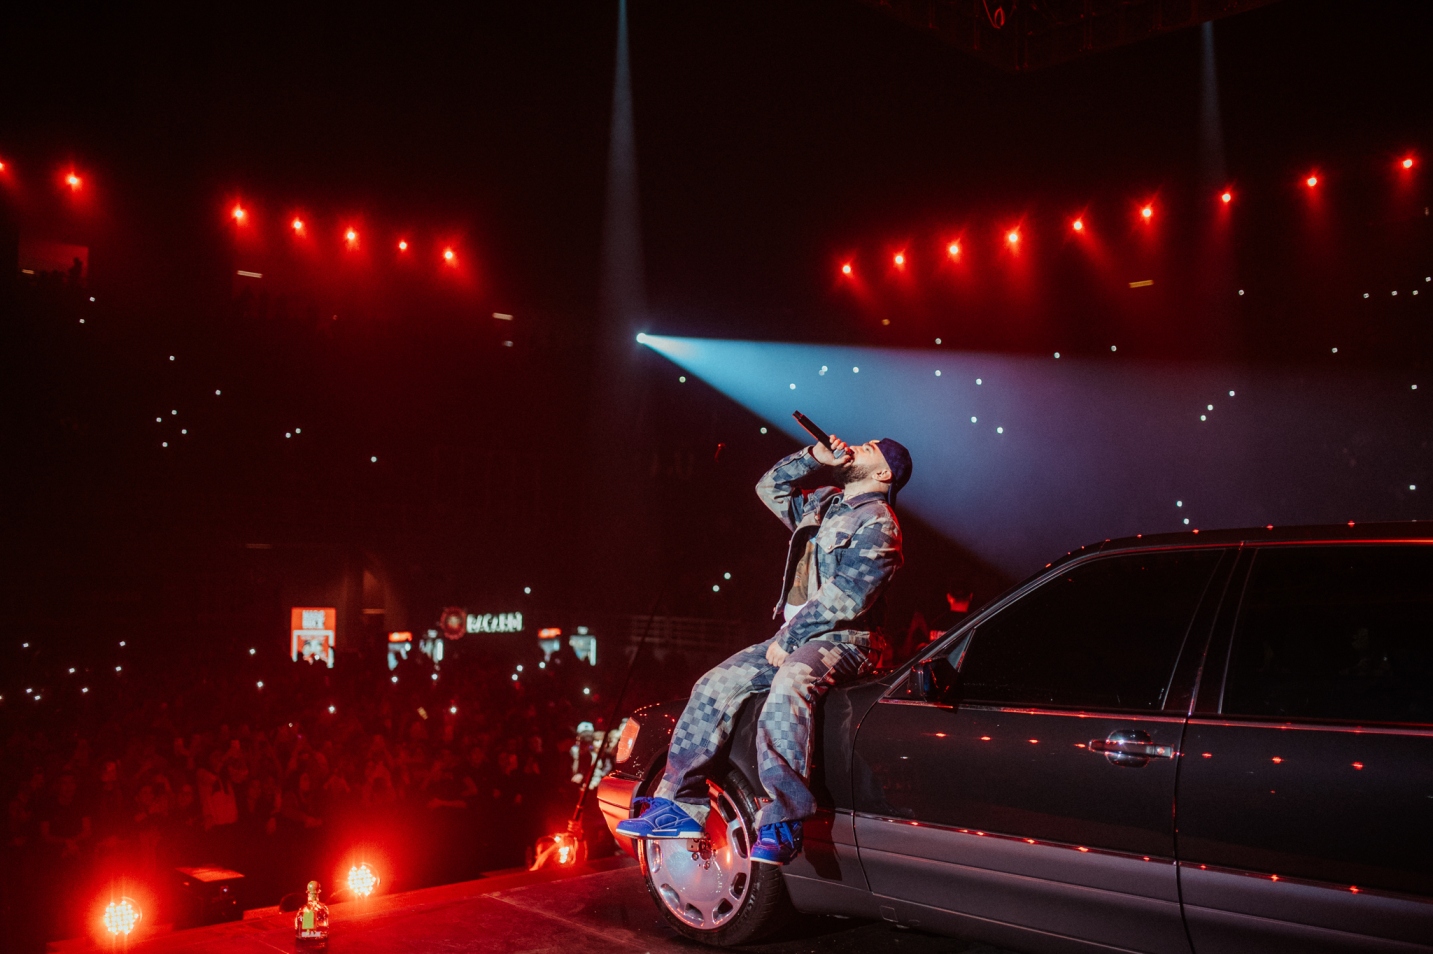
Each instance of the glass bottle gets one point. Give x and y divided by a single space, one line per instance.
311 922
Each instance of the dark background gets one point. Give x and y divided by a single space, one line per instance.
775 141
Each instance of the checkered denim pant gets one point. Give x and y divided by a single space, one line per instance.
783 730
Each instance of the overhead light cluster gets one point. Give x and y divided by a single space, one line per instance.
1145 212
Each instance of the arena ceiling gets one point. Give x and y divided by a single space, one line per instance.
1018 35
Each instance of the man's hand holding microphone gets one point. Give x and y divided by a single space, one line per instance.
833 455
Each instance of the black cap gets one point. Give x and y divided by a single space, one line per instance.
898 459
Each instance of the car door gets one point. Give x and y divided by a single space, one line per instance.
1040 801
1306 797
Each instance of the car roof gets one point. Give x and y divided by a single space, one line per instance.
1351 532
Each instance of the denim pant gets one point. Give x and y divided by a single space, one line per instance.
783 730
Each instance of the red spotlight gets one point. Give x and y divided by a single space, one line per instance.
1311 181
1407 163
239 214
361 880
900 260
1147 212
561 850
351 236
73 181
1013 236
1227 197
953 249
449 256
402 245
1078 225
846 269
121 917
298 225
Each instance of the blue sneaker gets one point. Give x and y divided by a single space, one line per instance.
660 818
777 844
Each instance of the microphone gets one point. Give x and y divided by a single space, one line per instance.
810 427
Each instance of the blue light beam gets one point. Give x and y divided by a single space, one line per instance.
1021 458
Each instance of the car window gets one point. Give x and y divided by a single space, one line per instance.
1103 635
1341 633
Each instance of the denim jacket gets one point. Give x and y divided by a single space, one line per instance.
858 550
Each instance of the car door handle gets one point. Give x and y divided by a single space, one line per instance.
1146 750
1132 748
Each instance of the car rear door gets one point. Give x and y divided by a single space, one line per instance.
1306 794
1041 803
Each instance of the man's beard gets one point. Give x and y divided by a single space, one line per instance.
851 472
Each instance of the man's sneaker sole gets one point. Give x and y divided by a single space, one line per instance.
771 861
642 826
663 834
659 832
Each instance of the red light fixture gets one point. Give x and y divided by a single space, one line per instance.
298 225
361 880
1013 236
1311 181
449 256
74 181
900 260
239 214
1407 163
1227 197
121 917
953 249
563 849
402 245
846 269
351 236
1078 225
1147 212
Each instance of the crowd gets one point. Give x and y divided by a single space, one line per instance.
441 779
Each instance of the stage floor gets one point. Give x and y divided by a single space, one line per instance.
605 910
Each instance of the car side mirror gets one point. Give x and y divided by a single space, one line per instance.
935 680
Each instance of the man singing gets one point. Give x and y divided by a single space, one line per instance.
845 547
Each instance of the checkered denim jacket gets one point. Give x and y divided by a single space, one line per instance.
858 550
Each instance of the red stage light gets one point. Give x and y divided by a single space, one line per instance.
402 245
1311 181
449 256
73 181
361 880
298 225
561 850
1147 212
953 249
1013 237
1406 163
122 916
1227 197
239 214
900 259
1078 225
846 269
352 236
